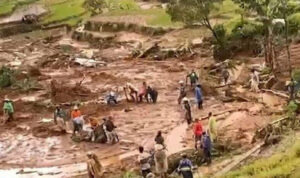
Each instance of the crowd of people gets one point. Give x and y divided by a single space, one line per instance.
104 132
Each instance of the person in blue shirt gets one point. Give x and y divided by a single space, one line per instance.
185 167
199 96
206 145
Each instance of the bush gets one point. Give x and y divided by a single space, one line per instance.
296 75
6 77
246 30
294 23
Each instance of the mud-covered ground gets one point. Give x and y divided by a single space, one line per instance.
32 141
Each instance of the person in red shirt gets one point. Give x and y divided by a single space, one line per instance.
198 129
75 113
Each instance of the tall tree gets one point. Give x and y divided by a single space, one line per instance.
266 11
193 12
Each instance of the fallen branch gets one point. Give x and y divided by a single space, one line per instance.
276 93
238 160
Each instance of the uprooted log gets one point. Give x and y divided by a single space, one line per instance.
277 93
196 156
237 160
273 128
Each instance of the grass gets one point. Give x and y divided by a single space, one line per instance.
282 164
67 10
8 6
153 17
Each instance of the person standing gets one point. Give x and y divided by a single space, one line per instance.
225 76
188 112
94 166
142 92
161 160
60 118
212 127
182 92
159 139
185 167
133 92
198 129
254 81
77 120
143 160
109 128
193 78
199 96
206 145
8 110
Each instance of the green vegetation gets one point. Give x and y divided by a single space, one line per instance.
68 11
6 77
8 6
279 165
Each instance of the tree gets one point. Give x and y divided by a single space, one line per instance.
267 11
193 12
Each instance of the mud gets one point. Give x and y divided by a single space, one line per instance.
36 141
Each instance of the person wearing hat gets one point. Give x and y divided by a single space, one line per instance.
161 160
193 78
133 92
182 92
8 109
185 167
199 96
77 120
94 166
188 112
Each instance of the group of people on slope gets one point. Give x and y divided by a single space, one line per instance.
145 92
159 157
96 132
204 139
182 98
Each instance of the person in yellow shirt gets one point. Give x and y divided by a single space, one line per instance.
212 127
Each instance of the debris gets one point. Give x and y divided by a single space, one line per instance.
89 62
128 109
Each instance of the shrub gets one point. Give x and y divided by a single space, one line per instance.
246 29
294 23
6 77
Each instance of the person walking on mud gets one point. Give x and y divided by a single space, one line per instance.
185 167
159 139
94 166
132 91
8 110
254 81
206 145
182 92
212 127
109 129
187 110
198 129
143 160
193 78
199 96
60 118
161 160
142 93
77 120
